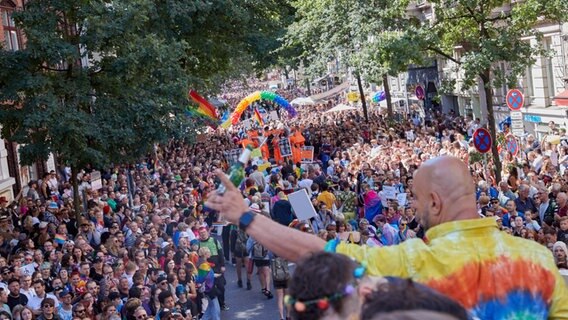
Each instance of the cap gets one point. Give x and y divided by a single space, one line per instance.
97 260
53 205
194 242
65 292
43 225
5 270
165 244
165 313
162 278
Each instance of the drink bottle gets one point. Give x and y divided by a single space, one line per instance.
237 170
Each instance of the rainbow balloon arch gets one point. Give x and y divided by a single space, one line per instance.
261 95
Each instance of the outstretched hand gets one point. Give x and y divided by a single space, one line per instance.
231 204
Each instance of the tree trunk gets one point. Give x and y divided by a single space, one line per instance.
486 78
387 94
308 87
76 199
362 97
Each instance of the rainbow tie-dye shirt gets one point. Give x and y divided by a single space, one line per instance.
492 274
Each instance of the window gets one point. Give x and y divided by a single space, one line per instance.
11 35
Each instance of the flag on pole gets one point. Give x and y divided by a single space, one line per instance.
258 117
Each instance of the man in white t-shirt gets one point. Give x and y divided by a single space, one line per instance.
35 302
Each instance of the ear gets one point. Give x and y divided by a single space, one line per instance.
435 204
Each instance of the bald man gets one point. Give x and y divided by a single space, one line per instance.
492 274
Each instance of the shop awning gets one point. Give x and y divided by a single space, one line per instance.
562 98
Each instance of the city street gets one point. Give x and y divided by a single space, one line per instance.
247 305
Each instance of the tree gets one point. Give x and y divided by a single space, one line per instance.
100 82
365 35
488 31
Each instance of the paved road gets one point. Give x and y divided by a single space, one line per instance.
247 305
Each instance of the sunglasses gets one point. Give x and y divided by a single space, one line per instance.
80 311
48 306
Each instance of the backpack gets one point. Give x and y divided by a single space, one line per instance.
258 251
241 242
280 271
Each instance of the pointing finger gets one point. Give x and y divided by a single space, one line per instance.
225 181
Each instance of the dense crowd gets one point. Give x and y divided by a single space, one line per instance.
145 246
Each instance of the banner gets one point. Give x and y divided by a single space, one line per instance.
307 154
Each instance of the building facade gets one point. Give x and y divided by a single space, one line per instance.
544 84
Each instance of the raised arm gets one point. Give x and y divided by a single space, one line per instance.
283 241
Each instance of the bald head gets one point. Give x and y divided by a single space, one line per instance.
444 192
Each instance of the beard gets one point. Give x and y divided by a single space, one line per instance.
422 217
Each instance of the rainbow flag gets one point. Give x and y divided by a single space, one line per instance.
60 238
204 108
258 117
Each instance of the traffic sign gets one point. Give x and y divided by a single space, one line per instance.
515 99
517 124
512 145
482 140
420 94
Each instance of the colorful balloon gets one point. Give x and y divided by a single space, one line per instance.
379 96
261 95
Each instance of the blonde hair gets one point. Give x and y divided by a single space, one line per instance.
203 251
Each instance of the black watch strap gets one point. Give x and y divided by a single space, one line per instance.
246 219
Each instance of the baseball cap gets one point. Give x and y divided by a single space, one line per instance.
64 293
43 225
162 278
53 205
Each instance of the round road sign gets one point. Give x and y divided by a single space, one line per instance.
482 140
512 145
515 99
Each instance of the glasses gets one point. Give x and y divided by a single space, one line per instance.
163 282
48 306
141 316
80 311
84 225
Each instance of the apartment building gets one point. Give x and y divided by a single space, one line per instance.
544 84
13 176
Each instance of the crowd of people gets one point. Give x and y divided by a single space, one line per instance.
145 245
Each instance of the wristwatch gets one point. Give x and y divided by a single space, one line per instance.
246 219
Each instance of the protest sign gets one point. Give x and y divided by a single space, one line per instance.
302 205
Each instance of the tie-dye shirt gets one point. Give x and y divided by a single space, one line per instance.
492 274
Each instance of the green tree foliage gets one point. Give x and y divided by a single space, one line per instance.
365 35
488 32
100 82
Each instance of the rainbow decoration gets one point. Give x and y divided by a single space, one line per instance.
258 117
261 95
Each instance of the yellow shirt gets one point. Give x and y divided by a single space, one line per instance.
492 274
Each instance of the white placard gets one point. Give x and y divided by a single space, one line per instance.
302 205
272 116
28 269
389 192
401 199
96 181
